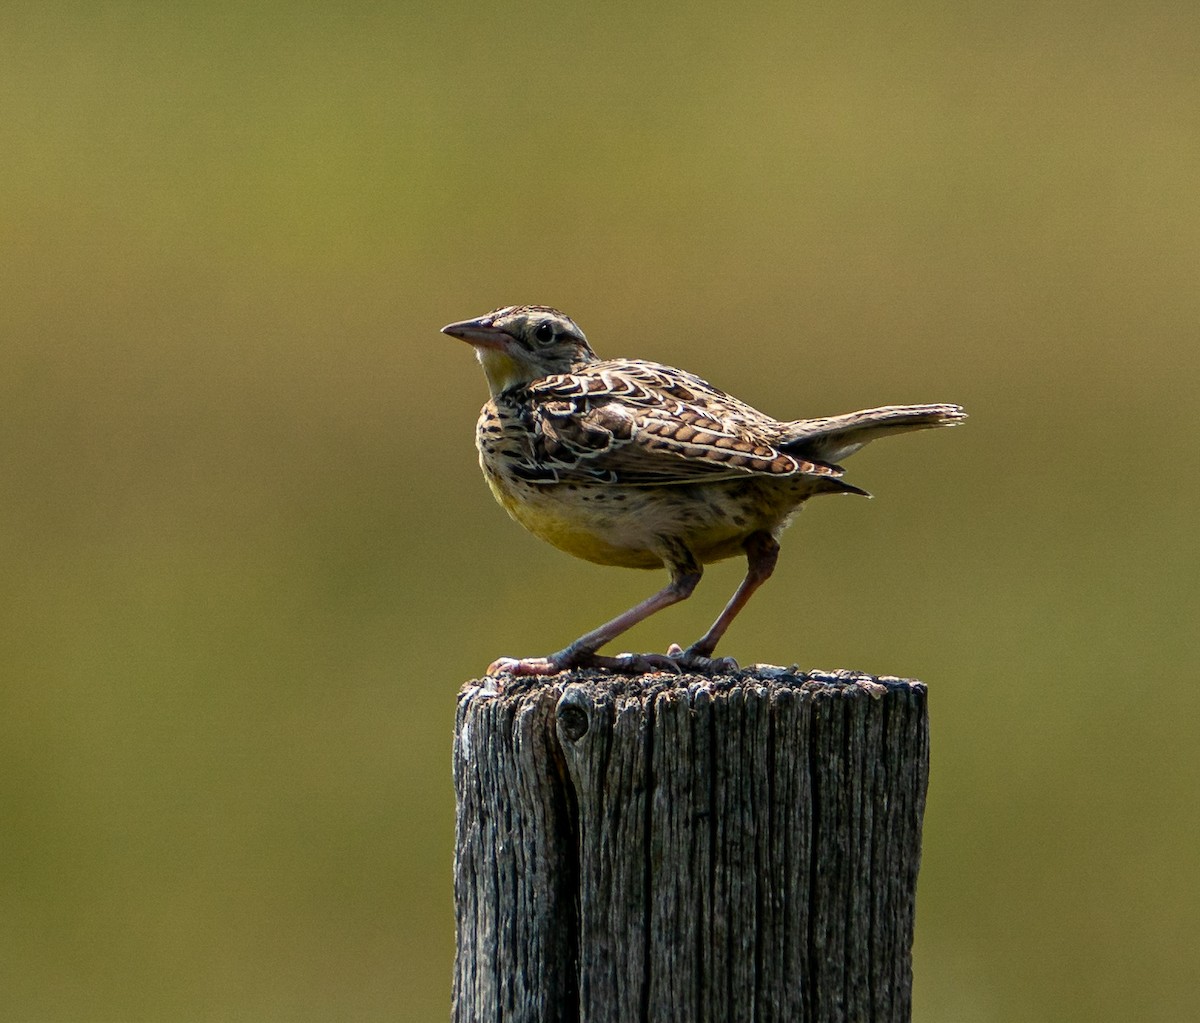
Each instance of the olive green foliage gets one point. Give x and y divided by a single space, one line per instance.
248 557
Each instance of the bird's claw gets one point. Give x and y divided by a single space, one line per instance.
693 660
636 664
526 666
676 660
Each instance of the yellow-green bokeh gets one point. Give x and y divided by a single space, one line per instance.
247 558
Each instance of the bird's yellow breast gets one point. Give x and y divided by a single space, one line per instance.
567 520
631 526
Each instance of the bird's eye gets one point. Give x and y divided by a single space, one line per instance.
544 333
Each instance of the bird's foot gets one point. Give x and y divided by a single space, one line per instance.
692 660
564 660
635 664
551 665
676 661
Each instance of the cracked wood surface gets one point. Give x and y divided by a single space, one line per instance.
690 848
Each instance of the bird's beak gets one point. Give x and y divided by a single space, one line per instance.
480 333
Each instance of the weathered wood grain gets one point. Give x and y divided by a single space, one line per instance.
688 848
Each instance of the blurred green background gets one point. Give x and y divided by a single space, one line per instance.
248 558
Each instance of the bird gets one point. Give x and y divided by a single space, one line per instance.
636 464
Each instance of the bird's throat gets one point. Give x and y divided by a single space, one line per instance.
503 370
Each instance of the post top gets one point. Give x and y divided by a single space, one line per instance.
773 677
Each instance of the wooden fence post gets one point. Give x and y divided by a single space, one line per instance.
688 848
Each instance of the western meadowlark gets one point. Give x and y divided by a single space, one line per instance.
625 462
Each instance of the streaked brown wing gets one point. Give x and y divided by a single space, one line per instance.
639 424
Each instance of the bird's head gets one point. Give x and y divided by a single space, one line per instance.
520 343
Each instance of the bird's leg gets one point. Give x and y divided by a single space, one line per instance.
685 574
762 551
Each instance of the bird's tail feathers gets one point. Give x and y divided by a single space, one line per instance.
837 437
831 485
